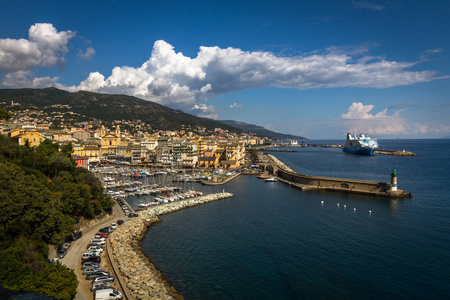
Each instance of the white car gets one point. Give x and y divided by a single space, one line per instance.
101 242
95 248
98 238
113 225
96 252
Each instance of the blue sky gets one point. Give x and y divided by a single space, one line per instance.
313 68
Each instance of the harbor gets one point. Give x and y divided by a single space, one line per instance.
138 275
344 185
290 235
283 171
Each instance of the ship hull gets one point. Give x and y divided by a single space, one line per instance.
362 151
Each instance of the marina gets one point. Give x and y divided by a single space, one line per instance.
295 245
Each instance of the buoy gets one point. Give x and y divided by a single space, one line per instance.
370 211
338 204
354 209
345 206
321 202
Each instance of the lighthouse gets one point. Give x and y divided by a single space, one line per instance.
394 181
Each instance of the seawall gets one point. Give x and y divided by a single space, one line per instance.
306 182
138 274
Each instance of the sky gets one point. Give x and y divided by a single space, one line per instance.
317 69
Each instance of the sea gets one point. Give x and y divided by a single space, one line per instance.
273 241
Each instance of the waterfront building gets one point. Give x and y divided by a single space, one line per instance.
164 155
149 143
34 138
111 140
81 135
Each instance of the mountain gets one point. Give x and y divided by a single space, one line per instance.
108 108
261 131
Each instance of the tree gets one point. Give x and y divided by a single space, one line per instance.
4 115
67 149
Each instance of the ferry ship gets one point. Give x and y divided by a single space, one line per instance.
360 144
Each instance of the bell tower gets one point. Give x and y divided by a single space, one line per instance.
118 133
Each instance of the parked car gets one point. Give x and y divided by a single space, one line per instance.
97 241
103 235
77 235
87 254
96 252
104 230
90 270
61 253
99 273
107 294
90 264
120 222
132 215
113 225
97 238
100 286
65 246
95 259
104 279
96 249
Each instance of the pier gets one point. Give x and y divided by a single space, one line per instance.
306 182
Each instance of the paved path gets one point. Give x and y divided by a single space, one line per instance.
73 257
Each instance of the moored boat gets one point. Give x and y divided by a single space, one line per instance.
360 144
271 179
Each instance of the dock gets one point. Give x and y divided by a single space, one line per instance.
219 180
306 182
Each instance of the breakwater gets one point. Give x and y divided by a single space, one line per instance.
139 275
306 182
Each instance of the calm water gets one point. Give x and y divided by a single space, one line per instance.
271 241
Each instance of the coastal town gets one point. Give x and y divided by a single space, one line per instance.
127 141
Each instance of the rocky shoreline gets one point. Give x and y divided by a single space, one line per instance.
139 275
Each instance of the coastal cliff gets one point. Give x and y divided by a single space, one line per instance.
138 275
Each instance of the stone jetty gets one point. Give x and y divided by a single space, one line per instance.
136 273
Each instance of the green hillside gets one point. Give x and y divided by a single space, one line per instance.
108 108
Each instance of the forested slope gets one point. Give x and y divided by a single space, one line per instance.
42 195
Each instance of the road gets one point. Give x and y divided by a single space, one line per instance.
72 259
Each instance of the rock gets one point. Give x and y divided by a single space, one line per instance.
139 274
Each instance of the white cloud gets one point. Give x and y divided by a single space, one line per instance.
431 128
428 54
420 128
86 55
235 105
206 111
173 79
359 119
360 111
21 79
45 47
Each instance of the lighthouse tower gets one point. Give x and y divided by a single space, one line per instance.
394 181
